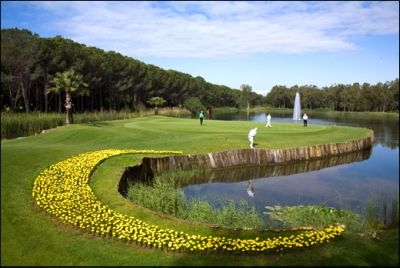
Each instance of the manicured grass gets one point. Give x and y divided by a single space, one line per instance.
29 236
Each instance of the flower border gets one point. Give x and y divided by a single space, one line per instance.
63 191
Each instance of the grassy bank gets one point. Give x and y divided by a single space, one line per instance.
29 236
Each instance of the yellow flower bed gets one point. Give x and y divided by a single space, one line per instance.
63 191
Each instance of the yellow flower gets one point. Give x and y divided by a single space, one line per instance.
63 191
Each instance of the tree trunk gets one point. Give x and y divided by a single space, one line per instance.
68 108
69 119
59 103
25 97
46 102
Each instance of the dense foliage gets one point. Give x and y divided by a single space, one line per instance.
382 97
116 82
29 65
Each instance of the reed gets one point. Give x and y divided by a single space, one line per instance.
15 125
395 211
164 195
380 212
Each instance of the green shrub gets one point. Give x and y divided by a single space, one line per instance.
317 216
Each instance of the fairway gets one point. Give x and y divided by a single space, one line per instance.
31 237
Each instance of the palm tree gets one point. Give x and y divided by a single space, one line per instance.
71 83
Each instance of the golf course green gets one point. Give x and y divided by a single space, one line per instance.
32 236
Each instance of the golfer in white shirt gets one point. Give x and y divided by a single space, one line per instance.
251 136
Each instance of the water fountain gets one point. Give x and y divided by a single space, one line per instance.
297 108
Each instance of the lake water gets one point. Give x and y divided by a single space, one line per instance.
354 182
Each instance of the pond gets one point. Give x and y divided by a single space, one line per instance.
354 182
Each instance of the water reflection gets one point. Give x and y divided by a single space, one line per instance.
349 181
250 189
235 174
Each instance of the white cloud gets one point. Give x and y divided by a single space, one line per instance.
219 29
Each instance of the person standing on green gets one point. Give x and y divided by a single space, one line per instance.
305 118
201 116
268 121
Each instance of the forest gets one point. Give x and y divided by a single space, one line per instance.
53 74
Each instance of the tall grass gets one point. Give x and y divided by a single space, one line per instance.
15 125
381 212
164 195
395 211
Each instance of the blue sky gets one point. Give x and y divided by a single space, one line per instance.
258 43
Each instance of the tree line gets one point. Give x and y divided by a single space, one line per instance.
381 97
35 70
29 65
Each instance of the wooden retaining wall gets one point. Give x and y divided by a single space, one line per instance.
240 173
241 157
